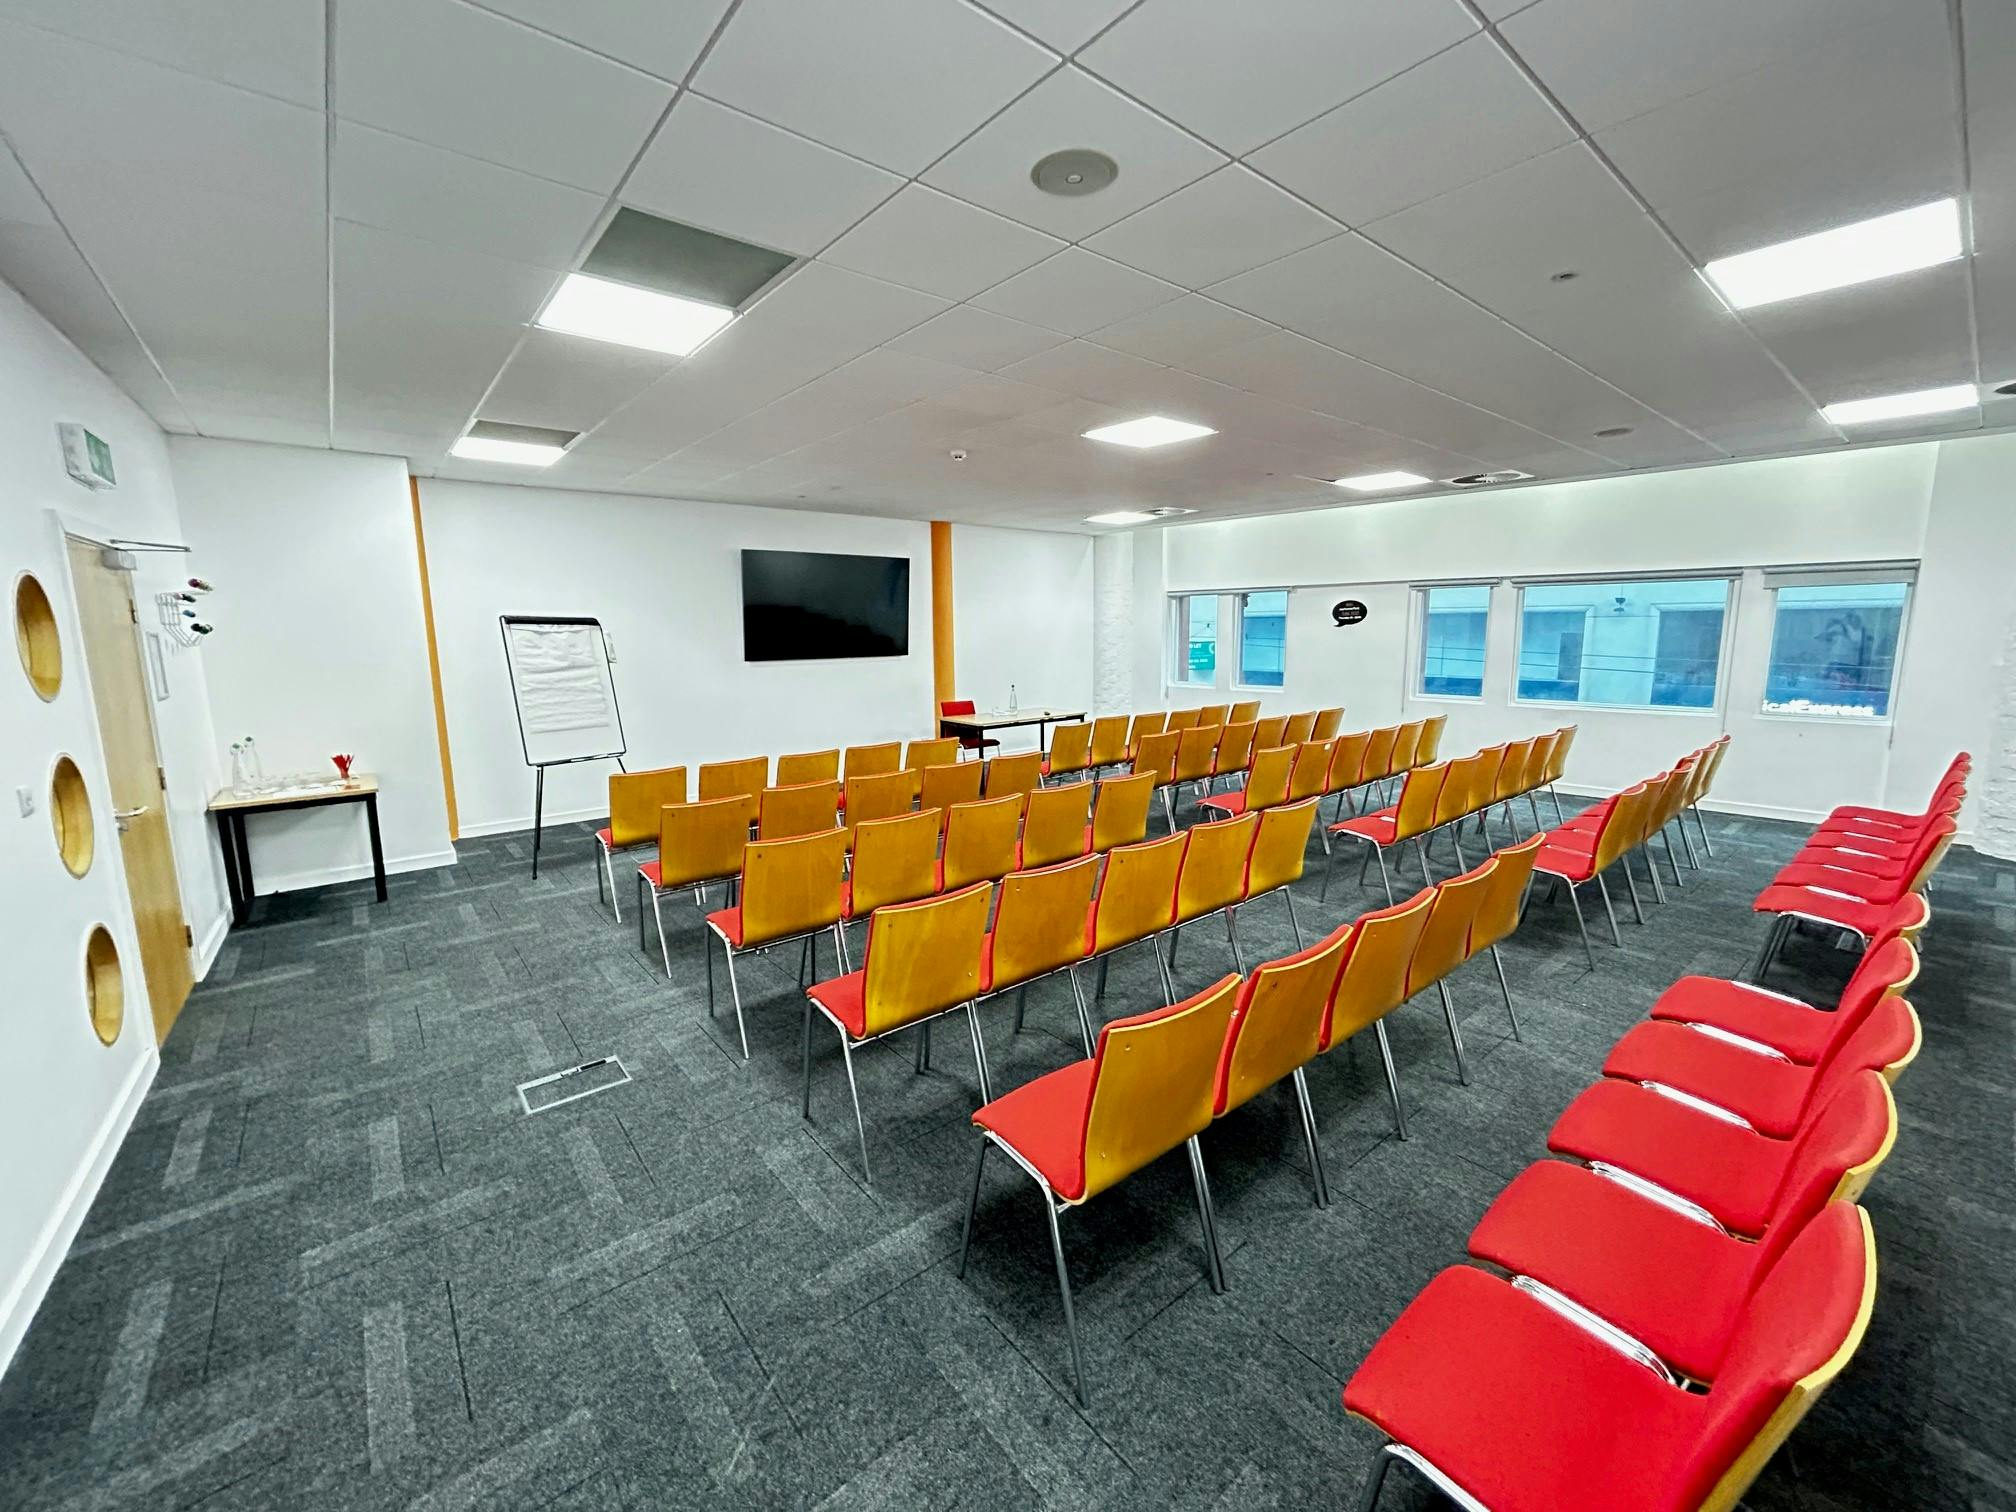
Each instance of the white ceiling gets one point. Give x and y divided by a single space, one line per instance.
1333 234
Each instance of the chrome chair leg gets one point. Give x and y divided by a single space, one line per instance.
1099 990
601 855
1064 1291
1631 883
1365 862
1021 1003
1652 869
1385 877
735 991
1687 842
840 944
1375 1480
707 949
923 1047
979 1054
805 1060
972 1207
1175 938
1232 936
1084 1013
1559 817
1309 1134
1421 854
1583 924
1511 1013
1672 860
1702 825
642 944
1293 922
1533 803
1604 888
1392 1077
1165 967
609 867
1455 1034
1215 1266
1773 937
853 1091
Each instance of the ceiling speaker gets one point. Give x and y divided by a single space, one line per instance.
1074 171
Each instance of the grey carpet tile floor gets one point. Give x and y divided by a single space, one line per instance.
336 1265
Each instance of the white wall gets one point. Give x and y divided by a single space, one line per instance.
1944 504
664 577
320 646
1022 615
68 1098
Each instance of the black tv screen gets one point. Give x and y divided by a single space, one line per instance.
816 605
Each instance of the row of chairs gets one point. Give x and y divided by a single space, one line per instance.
1663 1305
1157 1080
1611 831
1081 750
1443 794
1859 862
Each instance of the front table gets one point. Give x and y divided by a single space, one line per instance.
980 724
231 807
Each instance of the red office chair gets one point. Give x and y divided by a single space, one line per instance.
955 706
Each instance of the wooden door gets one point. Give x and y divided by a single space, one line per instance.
133 762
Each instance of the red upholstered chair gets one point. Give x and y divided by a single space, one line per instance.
1794 1029
1150 1085
956 706
1859 907
1505 1402
1861 819
1672 1282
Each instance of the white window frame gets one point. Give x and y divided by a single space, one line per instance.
1774 579
1417 653
1236 601
1732 582
1176 635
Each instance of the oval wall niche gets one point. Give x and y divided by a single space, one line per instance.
70 816
104 985
35 637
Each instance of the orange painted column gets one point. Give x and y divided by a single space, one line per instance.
434 666
942 681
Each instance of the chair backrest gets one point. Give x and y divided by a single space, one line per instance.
1712 767
1328 723
1557 760
1280 847
1270 732
702 842
635 799
873 760
1445 938
1143 726
1406 741
920 754
1154 1080
1498 912
1374 979
1906 920
1797 1332
1673 795
1120 811
880 797
1157 754
1484 777
1623 826
1379 745
1195 749
1137 895
1267 781
1929 852
1243 713
1053 824
1312 766
1512 770
1429 747
728 779
807 809
791 887
1109 740
1347 761
895 860
1211 714
1019 773
1459 784
1182 719
1070 748
1235 748
1833 1156
1414 814
1040 925
808 766
922 957
955 706
1277 1022
939 787
980 840
1542 760
1886 1040
1214 866
1298 727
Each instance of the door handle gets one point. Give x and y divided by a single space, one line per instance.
124 817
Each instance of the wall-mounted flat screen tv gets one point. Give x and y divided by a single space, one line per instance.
816 605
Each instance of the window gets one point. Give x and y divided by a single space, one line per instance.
1453 624
1263 638
1644 643
1834 649
1195 640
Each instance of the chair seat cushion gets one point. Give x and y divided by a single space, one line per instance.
1802 1032
1564 861
1864 917
846 999
1852 851
1521 1408
1231 804
1770 1093
1044 1122
728 923
1377 826
651 872
1668 1281
1883 886
607 837
1731 1172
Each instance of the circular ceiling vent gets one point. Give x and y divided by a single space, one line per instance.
1486 479
1074 171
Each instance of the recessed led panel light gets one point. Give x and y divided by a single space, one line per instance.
519 453
1877 248
1376 482
1120 517
1933 401
1149 430
630 316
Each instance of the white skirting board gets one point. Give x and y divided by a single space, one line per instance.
358 872
27 1289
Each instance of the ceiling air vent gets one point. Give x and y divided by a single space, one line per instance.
1165 511
1488 479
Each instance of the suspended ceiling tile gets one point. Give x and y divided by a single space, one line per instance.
926 240
1225 223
